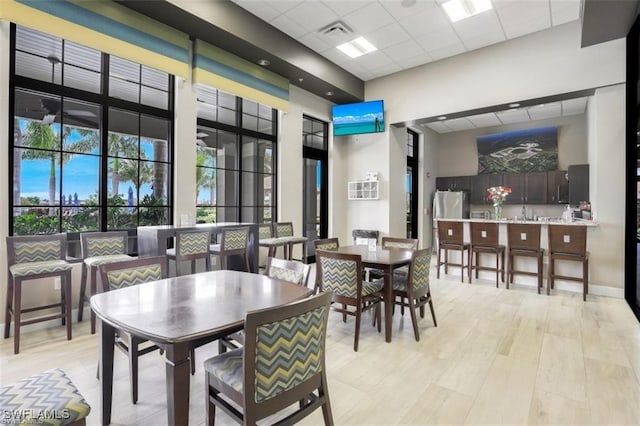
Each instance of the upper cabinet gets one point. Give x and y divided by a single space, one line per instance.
479 186
453 183
578 183
526 188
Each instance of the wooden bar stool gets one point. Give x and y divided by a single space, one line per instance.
568 242
451 237
524 240
485 238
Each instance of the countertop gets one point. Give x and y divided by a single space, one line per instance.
576 222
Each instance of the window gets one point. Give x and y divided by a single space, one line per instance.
235 160
412 184
91 139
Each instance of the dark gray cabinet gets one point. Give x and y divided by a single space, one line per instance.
578 183
526 188
453 183
479 186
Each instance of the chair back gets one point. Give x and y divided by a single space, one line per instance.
235 238
36 248
524 236
419 271
284 354
288 270
450 232
364 233
110 243
284 229
568 239
326 244
340 273
485 234
265 230
132 272
399 243
191 245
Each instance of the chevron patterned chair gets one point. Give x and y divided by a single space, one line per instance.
285 230
190 246
266 239
122 274
326 244
99 248
282 364
48 398
286 270
414 287
234 242
395 243
28 258
342 274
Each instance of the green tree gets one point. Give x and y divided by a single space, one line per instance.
205 177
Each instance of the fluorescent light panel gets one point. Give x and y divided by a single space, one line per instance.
357 47
461 9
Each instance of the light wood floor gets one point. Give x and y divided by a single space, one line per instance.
497 357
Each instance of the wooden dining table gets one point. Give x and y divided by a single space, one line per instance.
386 260
179 314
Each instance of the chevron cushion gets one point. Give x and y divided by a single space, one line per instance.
133 276
284 230
235 239
103 260
227 368
285 274
372 287
35 268
48 398
104 246
37 251
193 243
295 240
398 245
340 276
288 352
264 231
421 267
327 246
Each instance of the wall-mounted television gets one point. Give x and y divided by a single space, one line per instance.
361 117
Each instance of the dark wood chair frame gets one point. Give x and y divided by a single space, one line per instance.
412 242
568 242
416 298
485 239
360 303
270 242
224 252
288 253
524 241
447 242
311 394
14 290
192 258
93 269
325 241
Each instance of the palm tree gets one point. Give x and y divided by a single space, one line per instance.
205 177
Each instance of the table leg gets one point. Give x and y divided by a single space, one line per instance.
388 303
107 340
178 371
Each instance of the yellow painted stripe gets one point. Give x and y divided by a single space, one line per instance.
213 80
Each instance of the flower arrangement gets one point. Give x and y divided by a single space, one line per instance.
498 194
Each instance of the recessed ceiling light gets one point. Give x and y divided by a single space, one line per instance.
357 47
264 62
514 105
329 93
461 9
442 117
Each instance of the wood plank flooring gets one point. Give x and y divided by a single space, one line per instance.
497 357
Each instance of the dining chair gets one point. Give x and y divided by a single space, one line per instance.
99 248
568 243
285 230
395 243
451 237
286 270
326 244
30 257
342 274
524 241
266 239
49 392
281 364
234 242
190 246
414 287
485 239
128 273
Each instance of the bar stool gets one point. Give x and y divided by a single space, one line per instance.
451 237
190 246
284 230
234 241
485 238
568 242
524 240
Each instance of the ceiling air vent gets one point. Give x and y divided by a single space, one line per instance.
337 31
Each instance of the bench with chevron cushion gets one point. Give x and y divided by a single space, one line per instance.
47 398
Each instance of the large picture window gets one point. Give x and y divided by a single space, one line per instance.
91 139
235 164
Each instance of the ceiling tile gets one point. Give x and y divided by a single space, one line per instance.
513 116
387 36
407 63
316 42
480 30
385 70
289 26
425 22
563 11
373 60
447 51
406 49
446 36
336 56
542 112
312 15
263 10
398 11
343 8
369 18
523 17
458 124
574 106
438 126
485 120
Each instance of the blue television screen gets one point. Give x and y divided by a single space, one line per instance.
361 117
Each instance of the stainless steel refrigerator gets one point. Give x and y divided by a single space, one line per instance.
451 205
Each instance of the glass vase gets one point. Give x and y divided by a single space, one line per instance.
498 211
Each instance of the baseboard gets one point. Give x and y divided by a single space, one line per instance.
86 319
